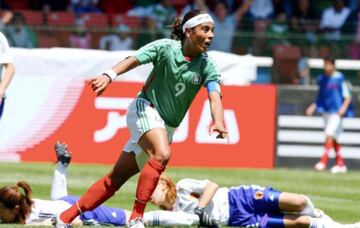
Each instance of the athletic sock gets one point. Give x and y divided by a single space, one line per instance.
59 184
338 158
325 157
148 180
98 193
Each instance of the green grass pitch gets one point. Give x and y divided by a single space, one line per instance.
337 195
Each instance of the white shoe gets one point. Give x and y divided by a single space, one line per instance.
320 166
136 223
57 223
338 169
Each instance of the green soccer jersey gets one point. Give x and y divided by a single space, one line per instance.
174 81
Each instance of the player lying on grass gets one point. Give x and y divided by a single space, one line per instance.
242 206
18 206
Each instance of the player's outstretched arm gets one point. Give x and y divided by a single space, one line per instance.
217 112
99 83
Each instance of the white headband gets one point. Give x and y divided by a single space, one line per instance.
199 19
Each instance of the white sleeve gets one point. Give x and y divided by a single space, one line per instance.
5 55
192 185
345 89
170 218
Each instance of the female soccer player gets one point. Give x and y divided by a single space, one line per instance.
18 206
333 100
181 68
242 206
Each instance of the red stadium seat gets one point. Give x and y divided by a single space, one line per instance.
32 17
95 19
286 58
132 22
60 18
45 41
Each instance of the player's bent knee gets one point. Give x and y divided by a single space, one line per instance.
163 156
301 202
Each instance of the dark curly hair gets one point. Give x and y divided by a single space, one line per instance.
177 33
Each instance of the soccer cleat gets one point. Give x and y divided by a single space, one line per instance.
338 169
62 153
57 223
320 166
136 223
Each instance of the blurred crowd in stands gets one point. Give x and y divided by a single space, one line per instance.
281 28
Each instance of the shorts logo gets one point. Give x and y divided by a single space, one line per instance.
196 79
259 195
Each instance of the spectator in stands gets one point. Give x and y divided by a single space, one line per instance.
225 24
354 47
283 7
6 64
332 20
5 18
303 68
261 10
148 34
84 6
118 40
164 13
192 4
141 8
303 21
334 101
278 31
19 34
80 38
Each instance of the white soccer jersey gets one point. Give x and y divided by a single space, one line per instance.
188 193
44 210
5 56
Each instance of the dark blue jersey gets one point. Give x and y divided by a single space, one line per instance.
101 215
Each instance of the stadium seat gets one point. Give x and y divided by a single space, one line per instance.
131 21
95 19
46 41
32 17
286 58
60 18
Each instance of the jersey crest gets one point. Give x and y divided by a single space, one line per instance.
196 79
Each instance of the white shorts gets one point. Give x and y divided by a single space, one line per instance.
333 125
141 118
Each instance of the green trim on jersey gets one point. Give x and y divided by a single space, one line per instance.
174 81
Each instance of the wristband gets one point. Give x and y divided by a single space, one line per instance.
111 74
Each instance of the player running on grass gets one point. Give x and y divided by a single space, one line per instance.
242 206
181 68
17 205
